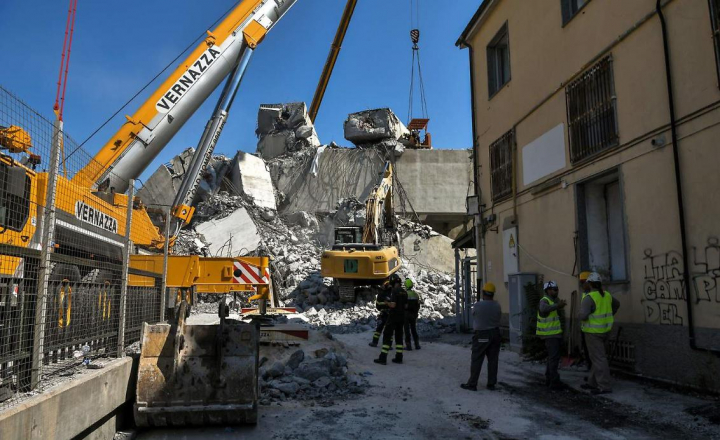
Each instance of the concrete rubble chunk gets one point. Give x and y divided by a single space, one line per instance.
234 235
283 129
373 126
295 359
250 177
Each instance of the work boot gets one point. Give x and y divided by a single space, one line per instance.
374 343
382 360
468 387
417 346
398 358
408 346
491 387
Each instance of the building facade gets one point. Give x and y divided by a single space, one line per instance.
597 147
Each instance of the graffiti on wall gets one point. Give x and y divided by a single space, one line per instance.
664 287
706 272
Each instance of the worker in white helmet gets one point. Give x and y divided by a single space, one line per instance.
549 328
597 312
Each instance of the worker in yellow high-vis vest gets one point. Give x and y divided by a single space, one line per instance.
597 312
549 328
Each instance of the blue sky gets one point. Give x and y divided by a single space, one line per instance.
120 46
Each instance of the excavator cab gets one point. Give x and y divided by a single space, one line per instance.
348 235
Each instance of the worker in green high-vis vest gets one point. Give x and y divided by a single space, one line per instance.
549 328
596 315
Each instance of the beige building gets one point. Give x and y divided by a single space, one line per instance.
580 153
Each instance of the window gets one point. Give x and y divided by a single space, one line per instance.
592 120
498 61
501 163
570 8
602 227
14 197
715 23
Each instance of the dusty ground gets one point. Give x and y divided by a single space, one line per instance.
422 399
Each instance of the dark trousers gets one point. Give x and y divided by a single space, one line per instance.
381 321
394 327
485 343
552 377
411 328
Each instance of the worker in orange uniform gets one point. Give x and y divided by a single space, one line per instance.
486 341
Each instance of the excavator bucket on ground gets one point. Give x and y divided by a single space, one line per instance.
194 375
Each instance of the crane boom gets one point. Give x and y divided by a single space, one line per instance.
331 59
147 132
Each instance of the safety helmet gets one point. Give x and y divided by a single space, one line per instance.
489 288
395 278
594 278
408 283
584 276
550 285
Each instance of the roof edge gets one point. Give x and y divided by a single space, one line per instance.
474 21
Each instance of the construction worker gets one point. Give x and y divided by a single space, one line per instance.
411 315
381 305
395 322
486 341
550 329
597 312
585 289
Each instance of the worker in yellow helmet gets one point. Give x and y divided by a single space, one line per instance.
597 312
486 340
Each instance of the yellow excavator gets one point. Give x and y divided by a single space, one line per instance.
366 256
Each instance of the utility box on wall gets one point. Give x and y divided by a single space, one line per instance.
519 315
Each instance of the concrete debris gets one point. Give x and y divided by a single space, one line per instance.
230 236
321 376
284 129
250 177
372 126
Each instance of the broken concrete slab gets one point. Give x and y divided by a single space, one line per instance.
272 145
160 189
373 126
249 176
434 252
284 128
231 236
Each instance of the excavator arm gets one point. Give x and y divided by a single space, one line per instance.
379 206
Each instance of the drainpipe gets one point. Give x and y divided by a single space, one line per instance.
678 182
479 228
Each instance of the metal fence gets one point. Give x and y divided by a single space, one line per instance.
65 299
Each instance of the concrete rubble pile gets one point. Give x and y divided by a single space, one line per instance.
239 214
283 129
319 374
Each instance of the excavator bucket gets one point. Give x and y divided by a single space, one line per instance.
194 375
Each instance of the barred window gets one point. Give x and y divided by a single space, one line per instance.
715 23
592 119
501 163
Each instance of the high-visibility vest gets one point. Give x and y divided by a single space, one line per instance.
601 320
551 324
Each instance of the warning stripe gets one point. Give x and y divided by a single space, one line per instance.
250 274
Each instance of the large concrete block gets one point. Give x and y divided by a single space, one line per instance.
250 177
272 145
435 253
234 235
82 406
160 188
435 181
371 126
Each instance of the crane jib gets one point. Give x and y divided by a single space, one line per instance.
187 80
